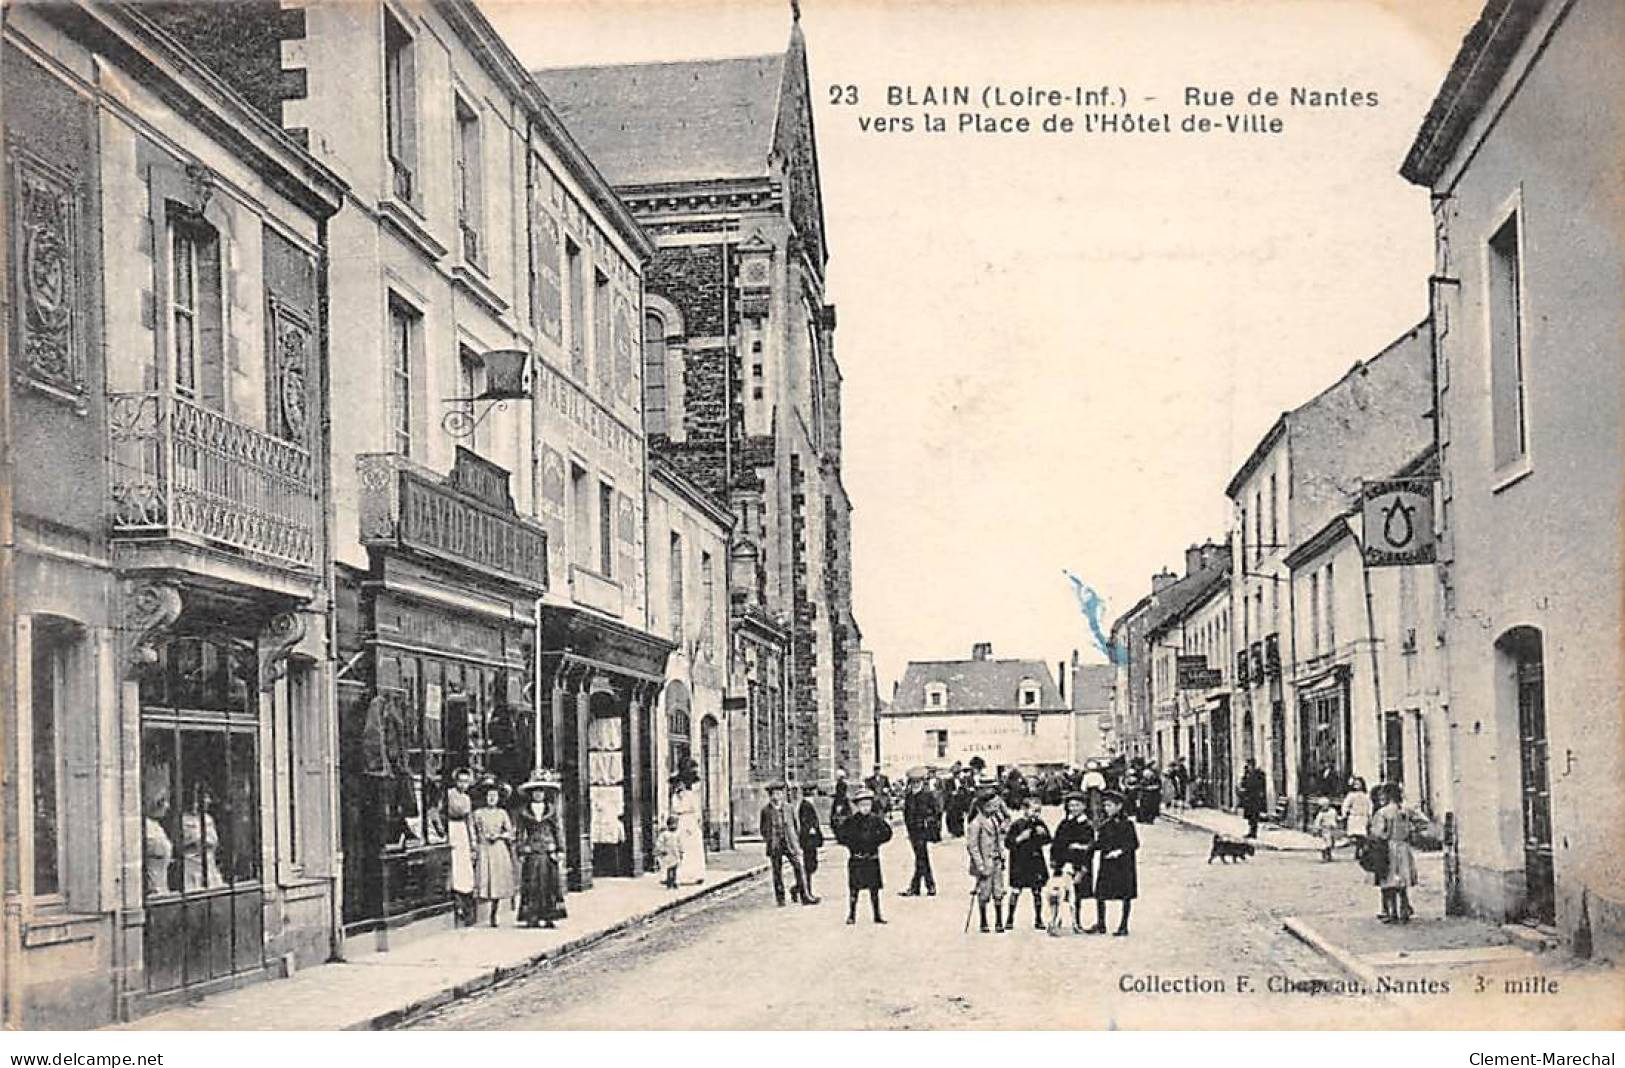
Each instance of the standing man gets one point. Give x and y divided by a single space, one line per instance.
922 817
880 787
812 837
863 835
984 844
1251 795
782 838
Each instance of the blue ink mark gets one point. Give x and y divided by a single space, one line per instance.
1091 604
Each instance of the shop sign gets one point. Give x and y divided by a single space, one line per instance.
1194 674
1398 519
444 523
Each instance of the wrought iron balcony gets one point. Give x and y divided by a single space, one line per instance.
1256 661
181 471
1241 667
1272 654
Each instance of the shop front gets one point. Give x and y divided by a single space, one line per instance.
1325 733
437 643
600 681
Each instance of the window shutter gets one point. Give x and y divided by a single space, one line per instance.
80 826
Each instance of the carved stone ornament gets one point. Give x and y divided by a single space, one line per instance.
290 373
286 630
50 345
150 609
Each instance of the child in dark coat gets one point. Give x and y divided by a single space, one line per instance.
1029 870
1073 848
1116 844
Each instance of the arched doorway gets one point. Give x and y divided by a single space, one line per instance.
1522 657
712 787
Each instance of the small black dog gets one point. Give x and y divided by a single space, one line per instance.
1228 849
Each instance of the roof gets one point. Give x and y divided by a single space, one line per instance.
1485 55
1092 686
1173 603
1267 442
975 686
663 123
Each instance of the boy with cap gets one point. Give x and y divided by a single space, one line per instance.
1116 844
984 842
863 834
782 838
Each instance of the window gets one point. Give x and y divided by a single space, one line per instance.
48 685
471 383
403 339
580 517
470 180
1330 606
708 588
1029 726
654 375
674 587
1243 538
1507 411
400 107
578 310
606 529
195 324
602 357
1314 613
937 741
1275 529
1258 526
936 695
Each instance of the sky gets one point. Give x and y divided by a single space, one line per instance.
1057 349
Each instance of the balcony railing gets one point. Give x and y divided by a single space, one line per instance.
1241 667
180 470
1256 661
1272 654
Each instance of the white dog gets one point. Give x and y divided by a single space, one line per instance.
1058 896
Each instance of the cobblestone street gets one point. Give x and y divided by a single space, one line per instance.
738 962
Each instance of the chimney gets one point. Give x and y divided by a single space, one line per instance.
981 651
1195 557
1162 580
1212 553
1060 679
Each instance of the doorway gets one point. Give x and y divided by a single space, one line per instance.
1522 646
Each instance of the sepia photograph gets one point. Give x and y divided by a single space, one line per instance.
812 515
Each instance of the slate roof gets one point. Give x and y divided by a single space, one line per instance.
1174 602
975 686
1092 686
661 123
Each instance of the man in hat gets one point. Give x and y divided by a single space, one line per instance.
984 843
1252 795
863 834
922 816
782 838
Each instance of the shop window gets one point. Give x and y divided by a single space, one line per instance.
49 673
200 769
937 740
1507 399
654 375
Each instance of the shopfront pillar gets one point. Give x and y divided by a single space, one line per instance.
637 778
581 794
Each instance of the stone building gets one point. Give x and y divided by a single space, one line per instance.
489 477
1008 712
1523 171
688 606
717 159
1131 685
1184 634
1302 473
168 764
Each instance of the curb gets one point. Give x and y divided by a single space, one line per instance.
501 973
1259 843
1351 965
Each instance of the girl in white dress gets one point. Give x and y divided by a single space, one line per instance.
685 805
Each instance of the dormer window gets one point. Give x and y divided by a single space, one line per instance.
936 695
1028 694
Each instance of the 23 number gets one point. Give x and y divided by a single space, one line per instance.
843 94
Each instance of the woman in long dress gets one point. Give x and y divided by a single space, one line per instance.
540 846
493 852
460 834
685 805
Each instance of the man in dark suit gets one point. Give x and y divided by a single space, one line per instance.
1252 795
922 816
782 838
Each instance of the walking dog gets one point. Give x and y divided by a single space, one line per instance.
1229 849
1058 896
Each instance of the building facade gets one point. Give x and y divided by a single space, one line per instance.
1302 473
688 606
1008 712
1131 684
169 752
1527 275
741 382
1090 698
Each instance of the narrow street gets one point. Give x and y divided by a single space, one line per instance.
738 962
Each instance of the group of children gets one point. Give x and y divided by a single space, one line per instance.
1381 827
1082 858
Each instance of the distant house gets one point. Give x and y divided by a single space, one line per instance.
1008 712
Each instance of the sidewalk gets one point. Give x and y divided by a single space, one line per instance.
1218 821
377 990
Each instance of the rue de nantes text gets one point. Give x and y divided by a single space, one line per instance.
1103 110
